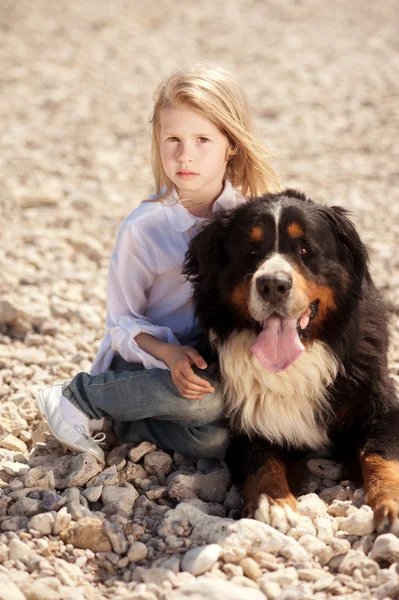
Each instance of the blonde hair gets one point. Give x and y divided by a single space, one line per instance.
215 93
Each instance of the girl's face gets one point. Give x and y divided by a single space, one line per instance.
193 152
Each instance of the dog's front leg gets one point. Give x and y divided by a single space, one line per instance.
379 459
260 471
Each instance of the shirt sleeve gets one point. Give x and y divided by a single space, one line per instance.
131 274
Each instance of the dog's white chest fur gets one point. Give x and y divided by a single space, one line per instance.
280 407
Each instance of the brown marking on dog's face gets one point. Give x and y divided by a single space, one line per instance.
270 480
239 299
256 234
295 230
309 291
381 484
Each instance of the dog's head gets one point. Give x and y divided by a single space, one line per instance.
280 264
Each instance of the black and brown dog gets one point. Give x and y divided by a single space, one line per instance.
282 286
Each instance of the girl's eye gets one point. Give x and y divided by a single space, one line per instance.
203 140
173 139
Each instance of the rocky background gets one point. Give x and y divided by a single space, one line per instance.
76 89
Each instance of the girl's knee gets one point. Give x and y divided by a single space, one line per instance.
210 441
207 410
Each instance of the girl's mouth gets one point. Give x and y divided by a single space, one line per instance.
186 174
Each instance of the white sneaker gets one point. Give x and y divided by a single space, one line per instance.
75 437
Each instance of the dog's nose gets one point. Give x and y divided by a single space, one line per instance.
274 288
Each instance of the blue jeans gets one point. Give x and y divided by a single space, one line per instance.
144 404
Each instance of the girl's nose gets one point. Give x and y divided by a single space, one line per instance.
184 154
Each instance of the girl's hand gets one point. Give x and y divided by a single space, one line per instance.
179 360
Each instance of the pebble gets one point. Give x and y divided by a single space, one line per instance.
359 523
14 468
324 468
137 551
386 547
201 559
137 453
11 442
43 523
158 462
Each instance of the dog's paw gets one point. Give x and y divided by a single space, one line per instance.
386 516
279 513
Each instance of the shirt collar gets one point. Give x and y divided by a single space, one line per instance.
182 220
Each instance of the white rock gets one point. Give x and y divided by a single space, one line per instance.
8 589
15 468
11 442
213 588
42 523
62 521
359 523
311 506
386 547
201 559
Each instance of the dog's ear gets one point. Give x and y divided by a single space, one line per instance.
204 256
204 262
350 247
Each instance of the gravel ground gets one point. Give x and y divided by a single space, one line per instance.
77 81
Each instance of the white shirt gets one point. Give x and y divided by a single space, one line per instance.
146 291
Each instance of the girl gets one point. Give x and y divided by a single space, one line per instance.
149 376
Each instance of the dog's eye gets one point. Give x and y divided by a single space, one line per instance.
303 251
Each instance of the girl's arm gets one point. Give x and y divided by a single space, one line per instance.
179 360
131 274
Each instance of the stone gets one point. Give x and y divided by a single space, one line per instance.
210 487
116 536
123 496
52 501
131 472
201 559
43 523
385 548
20 551
310 505
14 523
39 477
233 499
108 476
70 470
61 521
213 588
326 469
88 534
158 462
359 523
336 492
245 533
8 589
137 551
25 507
137 453
92 494
251 568
15 469
11 442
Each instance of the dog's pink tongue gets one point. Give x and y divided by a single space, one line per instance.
278 344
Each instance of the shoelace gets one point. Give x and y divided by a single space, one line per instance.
98 438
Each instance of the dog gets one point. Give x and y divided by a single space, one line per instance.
282 287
